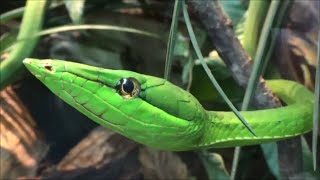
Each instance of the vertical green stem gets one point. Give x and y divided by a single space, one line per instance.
31 24
256 15
172 38
250 41
258 59
235 162
316 111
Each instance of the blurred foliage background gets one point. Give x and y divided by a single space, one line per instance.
64 144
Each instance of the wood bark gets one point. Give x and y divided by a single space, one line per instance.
21 146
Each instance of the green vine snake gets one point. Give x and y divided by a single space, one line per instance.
154 112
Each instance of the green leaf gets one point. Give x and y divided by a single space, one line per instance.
214 165
270 152
234 9
310 173
182 47
7 41
75 9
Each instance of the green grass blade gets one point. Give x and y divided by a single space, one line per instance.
257 11
89 27
207 70
316 113
18 12
7 41
7 71
95 27
235 162
307 161
172 38
259 59
271 155
15 13
282 12
75 10
259 62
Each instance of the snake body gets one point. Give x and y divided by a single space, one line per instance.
165 116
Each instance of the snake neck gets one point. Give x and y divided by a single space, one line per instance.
224 129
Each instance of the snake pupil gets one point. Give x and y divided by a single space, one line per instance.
128 87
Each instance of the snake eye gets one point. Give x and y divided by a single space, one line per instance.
128 88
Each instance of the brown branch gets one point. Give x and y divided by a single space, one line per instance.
239 62
230 50
103 154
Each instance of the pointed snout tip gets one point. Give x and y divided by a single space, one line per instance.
30 64
29 60
26 61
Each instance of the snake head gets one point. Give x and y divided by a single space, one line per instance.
147 109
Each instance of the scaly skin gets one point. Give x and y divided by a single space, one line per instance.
165 116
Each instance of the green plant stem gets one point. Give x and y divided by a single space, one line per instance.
172 38
259 59
93 27
18 12
15 13
31 23
235 162
282 12
316 112
249 45
256 15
